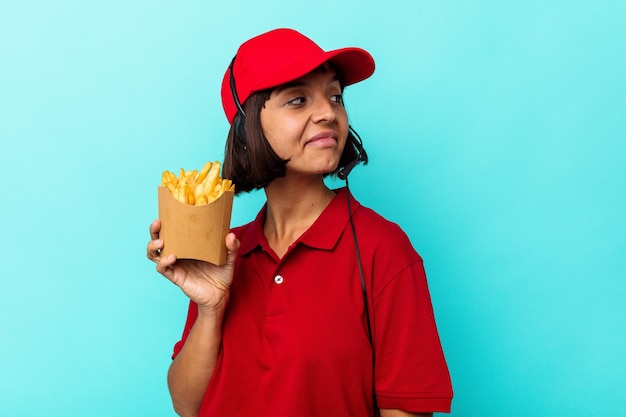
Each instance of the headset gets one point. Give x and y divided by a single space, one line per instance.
240 131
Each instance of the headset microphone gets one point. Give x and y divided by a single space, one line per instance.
345 170
360 157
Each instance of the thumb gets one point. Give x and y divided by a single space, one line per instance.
232 245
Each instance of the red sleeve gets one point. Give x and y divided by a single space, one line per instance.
192 314
411 372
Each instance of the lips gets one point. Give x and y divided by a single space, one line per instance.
324 136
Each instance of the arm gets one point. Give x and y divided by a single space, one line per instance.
208 286
191 370
399 413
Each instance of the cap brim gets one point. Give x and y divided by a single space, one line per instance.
354 64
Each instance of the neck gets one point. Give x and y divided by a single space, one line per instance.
292 207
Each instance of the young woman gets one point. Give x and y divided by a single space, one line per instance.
322 308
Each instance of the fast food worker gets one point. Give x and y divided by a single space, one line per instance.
281 329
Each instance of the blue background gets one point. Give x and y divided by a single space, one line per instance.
496 132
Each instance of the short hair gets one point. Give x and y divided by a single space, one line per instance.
252 164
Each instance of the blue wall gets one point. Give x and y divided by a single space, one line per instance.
496 132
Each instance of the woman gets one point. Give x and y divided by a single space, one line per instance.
322 308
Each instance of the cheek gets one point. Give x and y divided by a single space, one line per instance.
276 139
344 128
269 129
281 134
342 120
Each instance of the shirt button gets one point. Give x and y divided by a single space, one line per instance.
278 279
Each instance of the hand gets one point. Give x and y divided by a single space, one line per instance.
206 284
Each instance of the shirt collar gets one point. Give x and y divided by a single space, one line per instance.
324 233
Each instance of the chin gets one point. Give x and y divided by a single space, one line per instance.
319 167
329 169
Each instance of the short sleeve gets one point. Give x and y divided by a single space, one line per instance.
411 372
192 314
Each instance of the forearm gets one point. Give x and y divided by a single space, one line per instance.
191 370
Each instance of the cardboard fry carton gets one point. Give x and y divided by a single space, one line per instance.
195 232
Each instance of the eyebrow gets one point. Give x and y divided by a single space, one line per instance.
299 83
287 86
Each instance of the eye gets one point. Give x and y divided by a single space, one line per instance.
337 98
296 101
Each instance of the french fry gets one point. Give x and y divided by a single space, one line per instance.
197 187
203 172
212 178
170 186
198 194
180 194
173 179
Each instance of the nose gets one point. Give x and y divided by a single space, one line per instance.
324 111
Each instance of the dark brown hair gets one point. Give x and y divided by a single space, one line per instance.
252 164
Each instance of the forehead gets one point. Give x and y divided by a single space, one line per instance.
325 72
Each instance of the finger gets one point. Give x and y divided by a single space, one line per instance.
152 252
232 245
155 228
164 266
